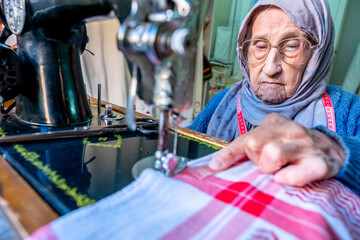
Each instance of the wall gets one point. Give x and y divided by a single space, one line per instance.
219 16
348 41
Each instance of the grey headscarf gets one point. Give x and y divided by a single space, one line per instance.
305 106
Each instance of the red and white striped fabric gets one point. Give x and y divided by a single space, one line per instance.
239 203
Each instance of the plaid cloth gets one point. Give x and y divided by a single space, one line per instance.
239 203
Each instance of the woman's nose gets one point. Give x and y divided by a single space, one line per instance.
272 63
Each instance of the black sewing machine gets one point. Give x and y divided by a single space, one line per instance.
58 141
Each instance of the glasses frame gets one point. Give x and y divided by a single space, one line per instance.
312 47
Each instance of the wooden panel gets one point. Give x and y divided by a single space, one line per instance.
203 137
33 212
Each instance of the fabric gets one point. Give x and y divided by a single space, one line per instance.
222 44
312 17
6 230
239 203
347 117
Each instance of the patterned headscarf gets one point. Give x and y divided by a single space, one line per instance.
305 106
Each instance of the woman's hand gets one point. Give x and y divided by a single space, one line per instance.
294 154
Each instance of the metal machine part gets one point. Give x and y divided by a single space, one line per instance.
15 14
130 110
9 71
145 126
163 47
160 38
170 164
109 115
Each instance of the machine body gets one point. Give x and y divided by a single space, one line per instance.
51 36
158 36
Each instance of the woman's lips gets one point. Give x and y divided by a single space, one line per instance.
271 83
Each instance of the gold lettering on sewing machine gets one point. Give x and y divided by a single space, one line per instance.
33 157
102 144
2 133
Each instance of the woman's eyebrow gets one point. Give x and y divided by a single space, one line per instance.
260 36
285 35
293 34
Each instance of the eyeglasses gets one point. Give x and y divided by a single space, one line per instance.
293 51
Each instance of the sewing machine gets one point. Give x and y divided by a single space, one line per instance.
159 38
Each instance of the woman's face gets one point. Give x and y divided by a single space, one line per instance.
273 81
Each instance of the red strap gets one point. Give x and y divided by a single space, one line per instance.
240 117
329 108
331 124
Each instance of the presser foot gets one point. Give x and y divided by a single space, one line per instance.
168 164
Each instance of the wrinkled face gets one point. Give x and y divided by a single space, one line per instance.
273 81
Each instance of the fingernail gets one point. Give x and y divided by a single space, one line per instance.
216 163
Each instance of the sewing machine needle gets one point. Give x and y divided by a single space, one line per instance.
163 129
162 138
175 123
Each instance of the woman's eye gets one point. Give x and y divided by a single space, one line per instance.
261 46
291 46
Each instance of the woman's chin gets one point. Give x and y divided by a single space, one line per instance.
272 99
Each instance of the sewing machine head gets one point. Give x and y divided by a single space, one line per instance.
159 37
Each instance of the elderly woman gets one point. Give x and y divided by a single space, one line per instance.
282 115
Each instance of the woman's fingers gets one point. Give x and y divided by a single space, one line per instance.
276 155
295 154
250 144
229 155
302 172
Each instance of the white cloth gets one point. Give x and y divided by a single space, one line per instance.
239 203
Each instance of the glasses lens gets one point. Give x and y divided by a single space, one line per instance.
255 50
295 51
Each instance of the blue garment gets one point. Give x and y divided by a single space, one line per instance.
347 116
